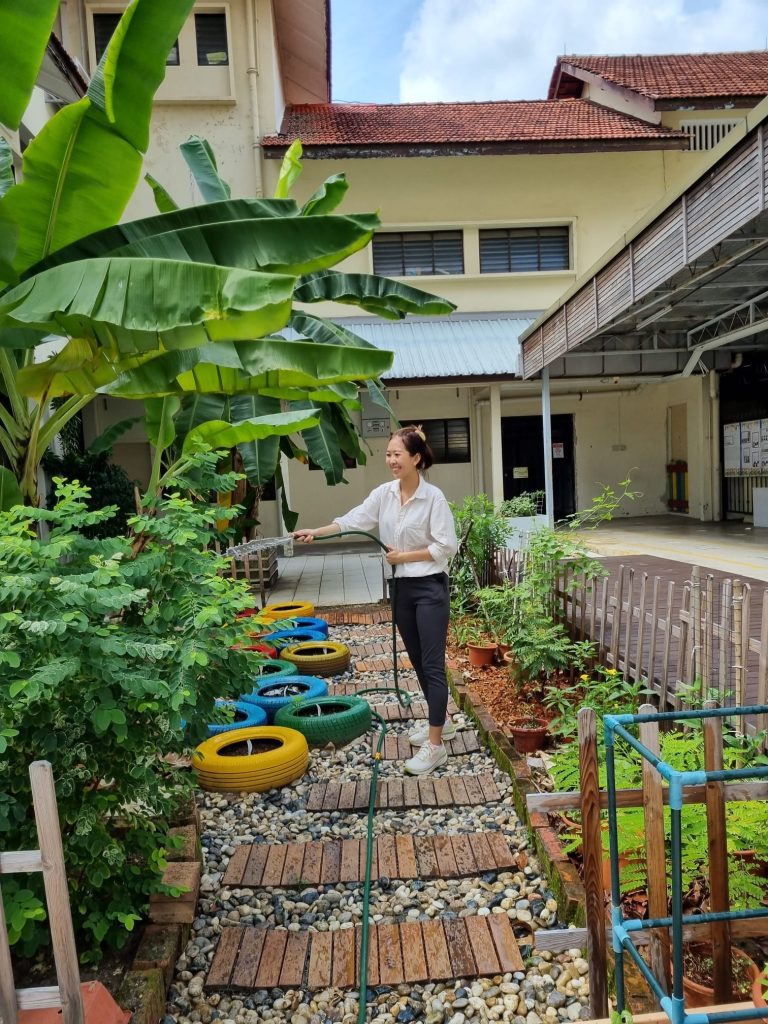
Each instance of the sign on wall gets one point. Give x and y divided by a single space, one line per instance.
745 448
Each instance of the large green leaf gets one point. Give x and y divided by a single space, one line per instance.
25 27
135 305
259 457
7 179
327 197
326 332
290 170
323 446
107 438
201 161
379 295
158 420
10 492
79 368
163 200
220 434
198 408
133 65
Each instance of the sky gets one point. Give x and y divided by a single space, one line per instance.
408 51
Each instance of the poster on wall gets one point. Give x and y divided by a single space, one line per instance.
731 449
764 446
750 446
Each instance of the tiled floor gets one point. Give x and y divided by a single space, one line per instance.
343 577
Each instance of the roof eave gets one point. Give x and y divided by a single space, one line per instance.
274 149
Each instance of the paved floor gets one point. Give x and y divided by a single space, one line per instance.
339 575
735 548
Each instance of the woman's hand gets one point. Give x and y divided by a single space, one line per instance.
305 536
395 557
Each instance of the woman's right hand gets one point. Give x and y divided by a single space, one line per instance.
305 536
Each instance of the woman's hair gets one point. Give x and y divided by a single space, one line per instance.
415 443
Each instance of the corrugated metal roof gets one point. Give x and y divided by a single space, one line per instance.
454 346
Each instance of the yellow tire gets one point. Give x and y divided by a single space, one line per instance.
286 610
226 762
317 657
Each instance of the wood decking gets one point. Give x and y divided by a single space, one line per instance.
448 791
397 747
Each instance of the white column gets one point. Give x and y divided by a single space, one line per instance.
497 462
546 415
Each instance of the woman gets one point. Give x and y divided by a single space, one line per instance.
413 519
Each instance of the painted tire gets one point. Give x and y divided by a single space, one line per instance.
318 658
246 716
264 649
316 625
288 637
254 772
274 668
341 719
287 610
273 694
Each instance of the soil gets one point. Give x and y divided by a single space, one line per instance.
698 965
251 747
317 710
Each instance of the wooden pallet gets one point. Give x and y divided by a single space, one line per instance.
353 686
449 791
398 747
291 865
372 648
257 957
382 663
394 712
361 615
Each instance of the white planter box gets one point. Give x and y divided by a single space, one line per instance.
520 527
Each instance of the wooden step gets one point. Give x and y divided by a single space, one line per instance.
373 648
394 712
353 686
254 957
367 615
382 663
292 865
397 747
448 791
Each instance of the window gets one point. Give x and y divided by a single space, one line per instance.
448 439
104 26
706 134
524 250
406 253
211 35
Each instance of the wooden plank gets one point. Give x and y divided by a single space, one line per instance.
488 786
406 857
471 742
446 862
436 949
382 795
271 963
483 949
458 790
443 793
456 746
247 963
316 796
571 800
462 852
273 869
349 869
482 852
319 975
363 793
373 953
292 973
427 796
313 861
411 793
390 750
224 957
425 856
474 789
500 849
332 795
459 948
655 855
329 872
414 960
343 958
504 941
254 869
234 873
718 856
347 796
387 858
374 858
592 855
294 861
395 794
390 955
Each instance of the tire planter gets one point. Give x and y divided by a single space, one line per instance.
337 720
251 760
273 694
318 657
274 668
316 625
246 716
287 610
288 637
265 649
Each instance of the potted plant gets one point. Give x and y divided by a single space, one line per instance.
529 733
481 650
698 967
760 988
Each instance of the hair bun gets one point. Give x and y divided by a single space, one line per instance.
420 433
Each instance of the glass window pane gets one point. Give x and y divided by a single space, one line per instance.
104 26
524 250
211 34
406 253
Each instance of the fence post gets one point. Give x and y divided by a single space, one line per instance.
616 620
655 856
726 610
630 621
593 854
709 639
718 858
8 1010
654 633
696 616
762 668
602 650
641 632
664 696
737 646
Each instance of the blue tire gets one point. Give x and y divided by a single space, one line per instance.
274 668
246 715
316 625
286 637
273 694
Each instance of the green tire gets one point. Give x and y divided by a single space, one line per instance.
322 720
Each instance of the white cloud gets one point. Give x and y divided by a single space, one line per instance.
506 49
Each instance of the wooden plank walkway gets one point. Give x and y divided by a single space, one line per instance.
398 747
291 865
371 648
394 712
352 686
257 957
382 663
361 615
403 793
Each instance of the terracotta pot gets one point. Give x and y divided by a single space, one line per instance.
528 739
510 660
503 650
760 988
481 654
697 994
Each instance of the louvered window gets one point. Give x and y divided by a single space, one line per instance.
524 250
211 33
448 439
104 26
410 253
706 134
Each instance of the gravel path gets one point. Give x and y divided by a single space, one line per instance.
553 987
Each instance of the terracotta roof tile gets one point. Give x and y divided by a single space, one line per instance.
679 75
413 124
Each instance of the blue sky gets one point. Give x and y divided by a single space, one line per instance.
389 51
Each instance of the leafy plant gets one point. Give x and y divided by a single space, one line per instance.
481 528
106 648
529 503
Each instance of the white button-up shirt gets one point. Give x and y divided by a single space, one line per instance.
424 521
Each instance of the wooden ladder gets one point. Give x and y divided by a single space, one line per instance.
50 860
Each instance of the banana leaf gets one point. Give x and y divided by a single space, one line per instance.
6 166
107 438
81 368
378 295
290 170
326 332
25 28
259 457
158 420
323 446
201 161
220 434
290 518
163 200
327 197
10 492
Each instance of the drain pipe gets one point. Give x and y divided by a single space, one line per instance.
253 88
714 440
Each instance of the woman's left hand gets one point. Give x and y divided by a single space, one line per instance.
395 557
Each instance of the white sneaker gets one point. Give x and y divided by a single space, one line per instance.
421 735
427 759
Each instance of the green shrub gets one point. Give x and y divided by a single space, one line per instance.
106 646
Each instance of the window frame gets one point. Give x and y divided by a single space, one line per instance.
429 426
538 231
117 12
428 235
208 12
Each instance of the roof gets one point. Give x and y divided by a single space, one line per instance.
668 76
303 33
464 346
60 74
520 124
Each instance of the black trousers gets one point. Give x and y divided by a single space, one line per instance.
422 607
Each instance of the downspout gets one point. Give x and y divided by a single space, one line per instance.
546 422
253 88
479 474
714 437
